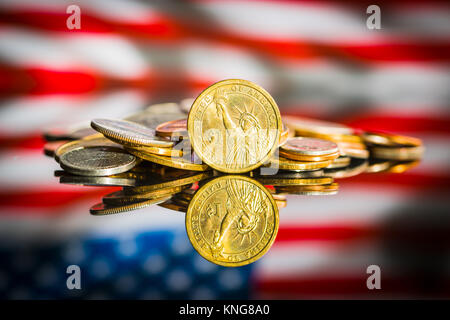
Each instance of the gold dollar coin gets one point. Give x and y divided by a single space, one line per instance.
232 221
234 126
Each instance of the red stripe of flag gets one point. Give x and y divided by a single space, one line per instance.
37 81
51 199
167 29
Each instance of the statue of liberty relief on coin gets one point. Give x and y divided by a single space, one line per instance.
232 220
234 126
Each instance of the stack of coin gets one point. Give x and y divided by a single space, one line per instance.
145 144
309 149
393 147
164 156
349 143
155 189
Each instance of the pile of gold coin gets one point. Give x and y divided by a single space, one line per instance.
227 159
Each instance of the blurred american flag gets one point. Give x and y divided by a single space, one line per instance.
316 58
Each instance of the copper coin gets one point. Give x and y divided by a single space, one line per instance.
176 128
309 146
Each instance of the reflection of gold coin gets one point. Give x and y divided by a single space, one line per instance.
125 179
170 179
309 147
102 209
119 198
179 163
293 165
281 204
234 126
171 205
232 221
328 189
401 167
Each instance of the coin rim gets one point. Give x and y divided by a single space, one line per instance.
327 128
298 166
156 141
169 162
296 181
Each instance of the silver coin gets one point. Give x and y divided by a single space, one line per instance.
128 132
97 161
